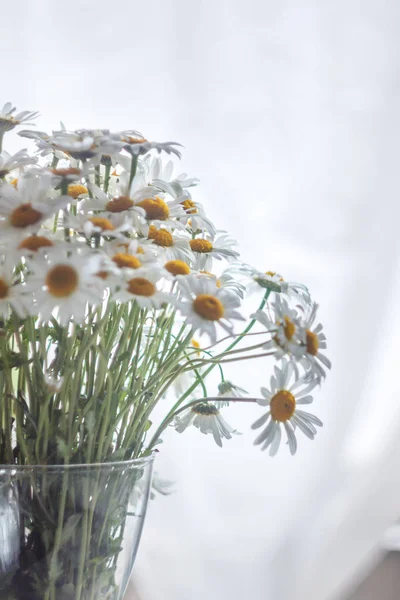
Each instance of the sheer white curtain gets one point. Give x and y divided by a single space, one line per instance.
289 113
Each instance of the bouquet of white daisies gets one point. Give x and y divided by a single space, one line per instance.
115 286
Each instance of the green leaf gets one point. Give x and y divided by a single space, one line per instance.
69 527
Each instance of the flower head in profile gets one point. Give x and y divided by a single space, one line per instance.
208 419
9 162
285 328
226 389
205 306
282 400
314 340
9 119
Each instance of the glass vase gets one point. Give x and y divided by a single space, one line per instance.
71 532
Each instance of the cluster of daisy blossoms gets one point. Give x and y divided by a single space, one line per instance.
95 219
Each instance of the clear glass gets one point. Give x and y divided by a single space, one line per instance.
71 532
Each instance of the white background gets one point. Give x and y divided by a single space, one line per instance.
289 112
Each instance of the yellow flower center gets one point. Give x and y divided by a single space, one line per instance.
24 215
282 406
189 207
117 205
65 172
289 328
102 223
141 287
312 343
3 289
133 140
102 274
76 190
62 281
272 274
177 267
155 208
200 245
163 238
14 182
35 242
124 261
152 232
209 307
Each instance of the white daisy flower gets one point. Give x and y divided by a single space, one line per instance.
160 212
136 144
155 171
13 296
66 174
282 401
285 327
38 243
9 120
24 210
10 162
226 389
123 204
195 217
225 282
314 341
141 285
63 284
273 281
205 249
98 225
208 419
205 306
173 245
130 253
81 144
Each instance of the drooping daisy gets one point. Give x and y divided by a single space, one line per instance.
141 285
314 340
64 284
9 120
208 419
205 306
173 245
10 162
205 249
285 327
13 296
282 401
24 210
226 389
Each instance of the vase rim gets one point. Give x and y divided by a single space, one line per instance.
134 462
